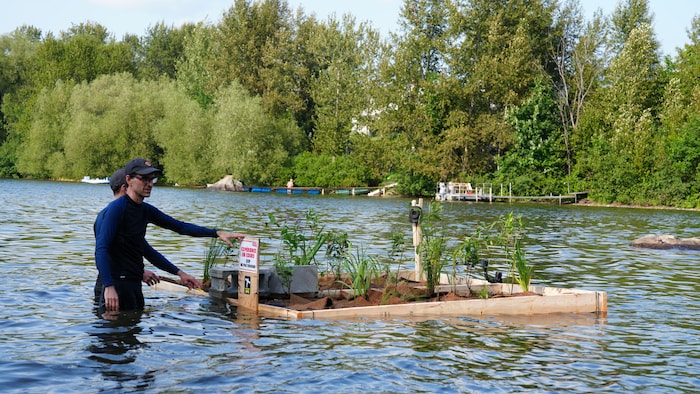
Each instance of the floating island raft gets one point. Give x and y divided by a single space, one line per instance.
504 299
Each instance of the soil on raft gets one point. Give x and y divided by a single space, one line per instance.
380 293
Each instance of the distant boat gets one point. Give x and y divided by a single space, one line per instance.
94 181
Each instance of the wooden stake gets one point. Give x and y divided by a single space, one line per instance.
417 237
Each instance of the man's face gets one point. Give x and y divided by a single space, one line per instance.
141 184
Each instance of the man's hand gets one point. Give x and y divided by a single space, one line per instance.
111 299
227 237
188 280
150 277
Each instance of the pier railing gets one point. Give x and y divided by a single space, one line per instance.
454 191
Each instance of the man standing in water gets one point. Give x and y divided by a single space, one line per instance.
117 182
119 243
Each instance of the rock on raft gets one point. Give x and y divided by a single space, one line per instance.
665 241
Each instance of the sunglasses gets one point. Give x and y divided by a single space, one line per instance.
145 179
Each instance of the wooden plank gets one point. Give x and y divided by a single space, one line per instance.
165 285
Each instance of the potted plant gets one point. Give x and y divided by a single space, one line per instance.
295 266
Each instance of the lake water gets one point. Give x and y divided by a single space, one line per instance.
52 341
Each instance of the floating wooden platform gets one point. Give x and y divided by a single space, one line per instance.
546 300
509 300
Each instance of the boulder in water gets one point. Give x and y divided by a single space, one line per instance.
666 241
226 183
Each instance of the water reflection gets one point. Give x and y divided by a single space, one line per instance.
117 345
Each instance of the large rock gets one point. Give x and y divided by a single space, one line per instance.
227 183
666 241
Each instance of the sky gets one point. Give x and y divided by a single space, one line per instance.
671 17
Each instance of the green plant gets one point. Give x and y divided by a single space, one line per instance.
467 254
432 248
395 256
337 246
484 292
217 253
525 272
361 269
302 240
509 238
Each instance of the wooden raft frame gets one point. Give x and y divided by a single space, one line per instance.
548 300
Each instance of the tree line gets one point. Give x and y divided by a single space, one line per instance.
527 93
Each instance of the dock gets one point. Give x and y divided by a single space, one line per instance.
347 191
453 191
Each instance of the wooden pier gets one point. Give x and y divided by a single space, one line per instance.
351 191
453 191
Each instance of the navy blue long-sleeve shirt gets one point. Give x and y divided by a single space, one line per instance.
152 255
120 240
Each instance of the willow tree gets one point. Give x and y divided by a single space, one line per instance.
16 50
112 120
41 153
185 136
81 54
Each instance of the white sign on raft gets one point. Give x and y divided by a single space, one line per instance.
248 260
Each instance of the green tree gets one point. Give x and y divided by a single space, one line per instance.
185 135
679 163
341 92
112 121
579 68
194 69
160 50
621 158
16 50
41 153
538 151
247 142
242 36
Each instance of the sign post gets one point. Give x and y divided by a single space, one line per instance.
249 273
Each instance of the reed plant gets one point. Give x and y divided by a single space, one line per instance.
361 269
524 271
433 247
217 253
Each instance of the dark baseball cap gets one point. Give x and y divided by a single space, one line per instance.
139 166
117 180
